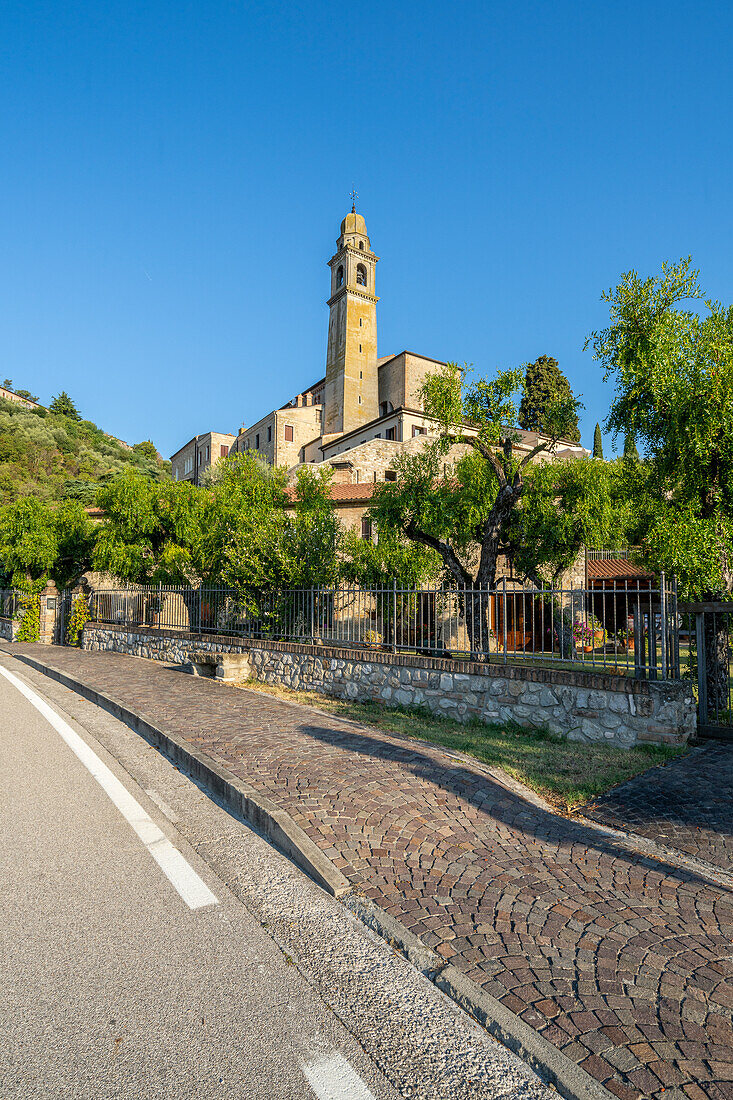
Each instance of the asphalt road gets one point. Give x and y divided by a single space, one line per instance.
153 945
114 985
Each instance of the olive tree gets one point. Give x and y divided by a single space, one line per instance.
462 508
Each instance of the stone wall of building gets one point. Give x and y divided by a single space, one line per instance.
582 706
268 436
305 421
201 452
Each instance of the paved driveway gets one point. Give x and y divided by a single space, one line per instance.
620 959
687 805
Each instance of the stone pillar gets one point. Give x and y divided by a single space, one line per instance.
49 614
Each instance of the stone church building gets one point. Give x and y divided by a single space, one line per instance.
362 415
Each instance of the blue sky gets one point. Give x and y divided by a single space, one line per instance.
174 175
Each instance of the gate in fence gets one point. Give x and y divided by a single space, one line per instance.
706 637
63 614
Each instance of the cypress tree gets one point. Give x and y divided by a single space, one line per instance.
630 449
597 442
544 384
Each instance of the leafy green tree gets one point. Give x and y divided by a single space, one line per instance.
673 369
146 449
391 557
631 451
464 513
7 383
567 505
27 395
379 565
267 549
545 387
236 534
38 542
597 442
28 543
76 536
151 531
316 531
62 405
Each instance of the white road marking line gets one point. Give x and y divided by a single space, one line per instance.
155 797
333 1078
178 870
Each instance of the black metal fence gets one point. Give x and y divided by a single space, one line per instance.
622 629
706 645
9 602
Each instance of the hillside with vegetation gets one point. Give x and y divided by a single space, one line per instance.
53 455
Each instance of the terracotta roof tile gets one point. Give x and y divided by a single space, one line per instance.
342 494
615 569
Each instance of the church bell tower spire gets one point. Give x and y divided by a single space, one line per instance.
352 385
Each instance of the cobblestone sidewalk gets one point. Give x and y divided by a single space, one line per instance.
687 805
623 961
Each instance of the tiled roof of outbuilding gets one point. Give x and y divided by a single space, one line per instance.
342 494
615 569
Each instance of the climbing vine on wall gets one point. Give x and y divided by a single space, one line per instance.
29 613
80 614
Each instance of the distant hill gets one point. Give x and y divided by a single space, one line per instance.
54 457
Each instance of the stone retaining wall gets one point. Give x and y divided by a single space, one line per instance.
583 706
8 629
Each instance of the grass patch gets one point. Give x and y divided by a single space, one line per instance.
566 773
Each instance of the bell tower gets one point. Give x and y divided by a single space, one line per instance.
352 385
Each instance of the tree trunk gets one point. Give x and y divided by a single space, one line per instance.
476 604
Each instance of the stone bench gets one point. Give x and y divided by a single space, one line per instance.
225 667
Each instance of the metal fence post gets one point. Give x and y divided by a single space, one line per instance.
313 614
702 681
676 673
663 624
505 624
394 615
639 642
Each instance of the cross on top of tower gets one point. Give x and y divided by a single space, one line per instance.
353 195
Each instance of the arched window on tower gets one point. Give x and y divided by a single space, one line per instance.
340 276
361 275
361 245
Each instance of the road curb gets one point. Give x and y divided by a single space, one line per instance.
569 1079
554 1067
276 824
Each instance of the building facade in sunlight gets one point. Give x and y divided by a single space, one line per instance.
364 412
